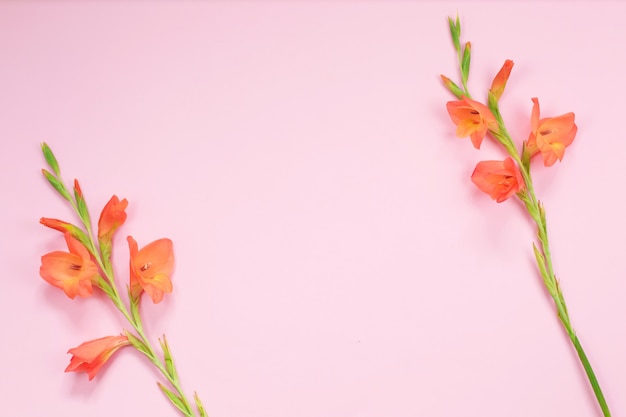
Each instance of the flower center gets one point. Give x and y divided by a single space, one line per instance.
145 266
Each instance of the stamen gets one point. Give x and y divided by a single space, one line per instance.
75 267
145 266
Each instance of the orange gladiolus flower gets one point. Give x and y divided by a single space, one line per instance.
499 82
73 272
151 268
499 179
551 135
112 217
90 356
472 119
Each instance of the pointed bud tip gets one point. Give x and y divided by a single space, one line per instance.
77 188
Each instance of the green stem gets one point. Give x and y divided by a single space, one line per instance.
561 306
537 213
153 357
592 376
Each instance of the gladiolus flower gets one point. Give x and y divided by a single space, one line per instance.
499 82
90 356
112 217
73 272
151 268
472 119
499 179
551 135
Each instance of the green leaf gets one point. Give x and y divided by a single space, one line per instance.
105 287
455 31
450 85
523 195
465 62
175 399
57 184
541 263
168 358
105 249
560 295
50 159
134 309
81 205
201 409
542 214
525 157
81 236
492 103
138 344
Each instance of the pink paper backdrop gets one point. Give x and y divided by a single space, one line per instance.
333 258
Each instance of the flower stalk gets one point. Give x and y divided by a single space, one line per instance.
549 137
89 264
543 258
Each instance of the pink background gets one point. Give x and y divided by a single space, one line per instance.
333 258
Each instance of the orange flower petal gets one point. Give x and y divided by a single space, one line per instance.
156 258
472 118
76 247
499 82
56 224
72 272
559 129
151 268
92 355
534 116
551 135
499 179
113 216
